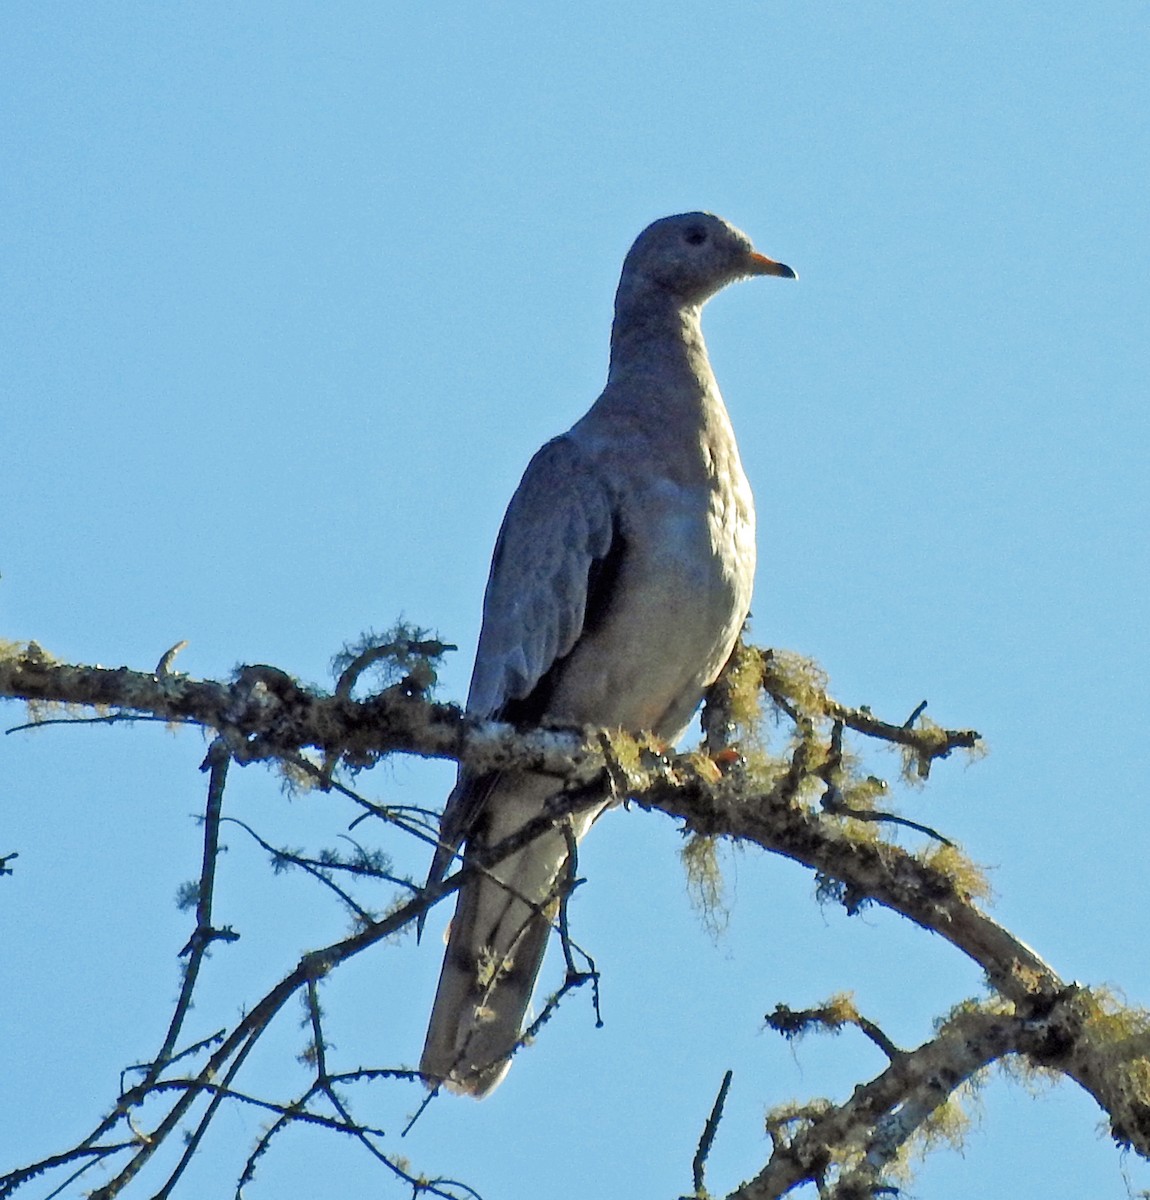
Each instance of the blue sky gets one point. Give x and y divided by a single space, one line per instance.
290 295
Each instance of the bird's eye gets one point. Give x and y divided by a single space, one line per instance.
696 235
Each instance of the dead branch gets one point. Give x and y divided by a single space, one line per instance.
774 803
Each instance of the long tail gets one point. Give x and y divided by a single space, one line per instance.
494 953
498 936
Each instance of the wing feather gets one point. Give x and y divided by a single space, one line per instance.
558 530
559 522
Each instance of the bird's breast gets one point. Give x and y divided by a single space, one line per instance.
681 595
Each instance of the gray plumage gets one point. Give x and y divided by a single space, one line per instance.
620 581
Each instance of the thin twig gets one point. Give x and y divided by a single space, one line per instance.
699 1163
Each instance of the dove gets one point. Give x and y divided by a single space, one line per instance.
620 581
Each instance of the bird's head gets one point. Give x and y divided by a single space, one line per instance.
693 255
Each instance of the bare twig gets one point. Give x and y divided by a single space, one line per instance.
168 658
699 1162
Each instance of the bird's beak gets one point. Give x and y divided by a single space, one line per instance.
762 265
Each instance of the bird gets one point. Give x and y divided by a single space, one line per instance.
620 581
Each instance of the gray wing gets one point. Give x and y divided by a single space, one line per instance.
559 524
557 533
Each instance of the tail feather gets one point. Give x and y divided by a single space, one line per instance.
499 933
484 993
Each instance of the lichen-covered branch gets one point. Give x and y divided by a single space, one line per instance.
774 774
264 714
848 1149
855 1150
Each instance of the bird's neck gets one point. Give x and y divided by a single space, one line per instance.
661 390
658 338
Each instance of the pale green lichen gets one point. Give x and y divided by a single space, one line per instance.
743 679
799 679
39 711
403 651
946 1126
297 778
760 771
930 740
705 884
992 1005
628 754
787 1120
967 878
1118 1038
861 791
839 1010
28 651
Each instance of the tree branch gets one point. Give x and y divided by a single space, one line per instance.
774 803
